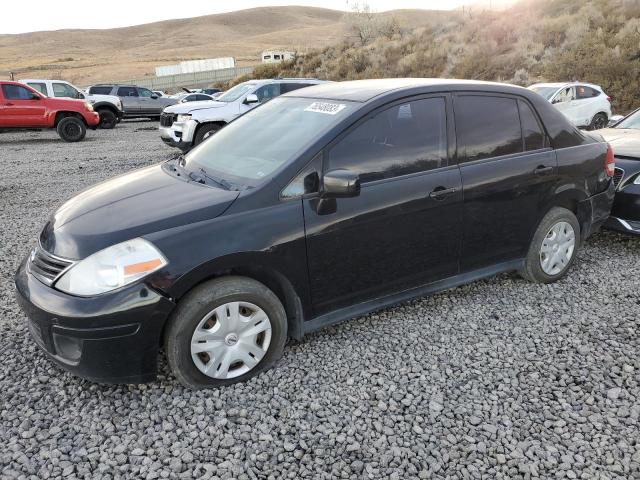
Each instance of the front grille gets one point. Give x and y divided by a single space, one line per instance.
617 176
46 267
167 119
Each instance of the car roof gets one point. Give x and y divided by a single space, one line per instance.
366 90
565 84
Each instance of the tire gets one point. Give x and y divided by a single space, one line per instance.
210 307
108 119
71 129
551 266
205 132
599 121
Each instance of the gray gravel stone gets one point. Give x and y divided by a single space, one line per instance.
497 379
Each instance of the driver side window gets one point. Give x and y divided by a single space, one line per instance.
267 92
565 95
16 92
62 90
143 92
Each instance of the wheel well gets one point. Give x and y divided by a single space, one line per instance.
275 282
61 115
111 108
221 124
581 214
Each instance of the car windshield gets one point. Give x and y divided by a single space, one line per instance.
236 92
546 92
250 149
632 121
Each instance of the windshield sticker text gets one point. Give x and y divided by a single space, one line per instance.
323 107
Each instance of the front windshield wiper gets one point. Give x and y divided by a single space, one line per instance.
220 181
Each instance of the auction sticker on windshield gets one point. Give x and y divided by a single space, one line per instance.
324 107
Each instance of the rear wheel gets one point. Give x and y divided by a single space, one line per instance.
108 119
71 129
553 248
205 132
225 331
599 121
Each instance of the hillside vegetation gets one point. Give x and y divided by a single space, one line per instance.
595 41
89 56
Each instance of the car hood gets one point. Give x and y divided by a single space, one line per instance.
188 107
624 141
129 206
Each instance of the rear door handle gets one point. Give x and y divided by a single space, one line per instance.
542 170
440 193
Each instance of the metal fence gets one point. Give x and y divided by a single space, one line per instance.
194 79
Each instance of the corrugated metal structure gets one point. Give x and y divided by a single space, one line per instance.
195 79
193 66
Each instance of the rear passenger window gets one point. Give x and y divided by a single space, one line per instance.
586 92
290 87
127 92
403 139
487 126
531 130
100 90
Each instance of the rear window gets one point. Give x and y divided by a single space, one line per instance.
127 92
586 92
487 126
100 90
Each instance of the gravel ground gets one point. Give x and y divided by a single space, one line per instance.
498 379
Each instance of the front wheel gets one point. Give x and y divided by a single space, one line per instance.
553 248
204 132
108 119
225 331
599 121
71 129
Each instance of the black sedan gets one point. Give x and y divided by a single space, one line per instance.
624 137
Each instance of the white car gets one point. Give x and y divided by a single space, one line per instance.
185 125
109 107
584 104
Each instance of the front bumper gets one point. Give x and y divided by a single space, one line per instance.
110 338
179 135
625 214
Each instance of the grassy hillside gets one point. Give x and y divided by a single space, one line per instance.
538 40
89 56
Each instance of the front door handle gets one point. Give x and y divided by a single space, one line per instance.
543 170
440 193
8 104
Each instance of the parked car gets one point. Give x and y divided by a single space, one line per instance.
160 93
22 107
585 105
625 140
109 107
185 126
321 205
137 102
192 97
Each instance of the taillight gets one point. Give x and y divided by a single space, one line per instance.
610 162
608 99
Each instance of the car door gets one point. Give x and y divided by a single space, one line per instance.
21 107
565 101
508 172
130 100
148 104
403 229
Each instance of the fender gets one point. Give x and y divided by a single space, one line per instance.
104 104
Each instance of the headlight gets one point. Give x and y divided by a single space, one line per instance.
112 268
88 106
183 118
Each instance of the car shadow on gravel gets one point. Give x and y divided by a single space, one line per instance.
41 141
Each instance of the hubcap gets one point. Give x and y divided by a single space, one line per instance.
231 340
557 248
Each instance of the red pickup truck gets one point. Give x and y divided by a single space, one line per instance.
22 107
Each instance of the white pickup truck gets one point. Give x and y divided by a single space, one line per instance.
109 107
186 125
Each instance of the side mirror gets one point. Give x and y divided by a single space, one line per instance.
154 96
251 98
35 96
340 183
614 120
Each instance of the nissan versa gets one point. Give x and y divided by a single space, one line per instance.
375 192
